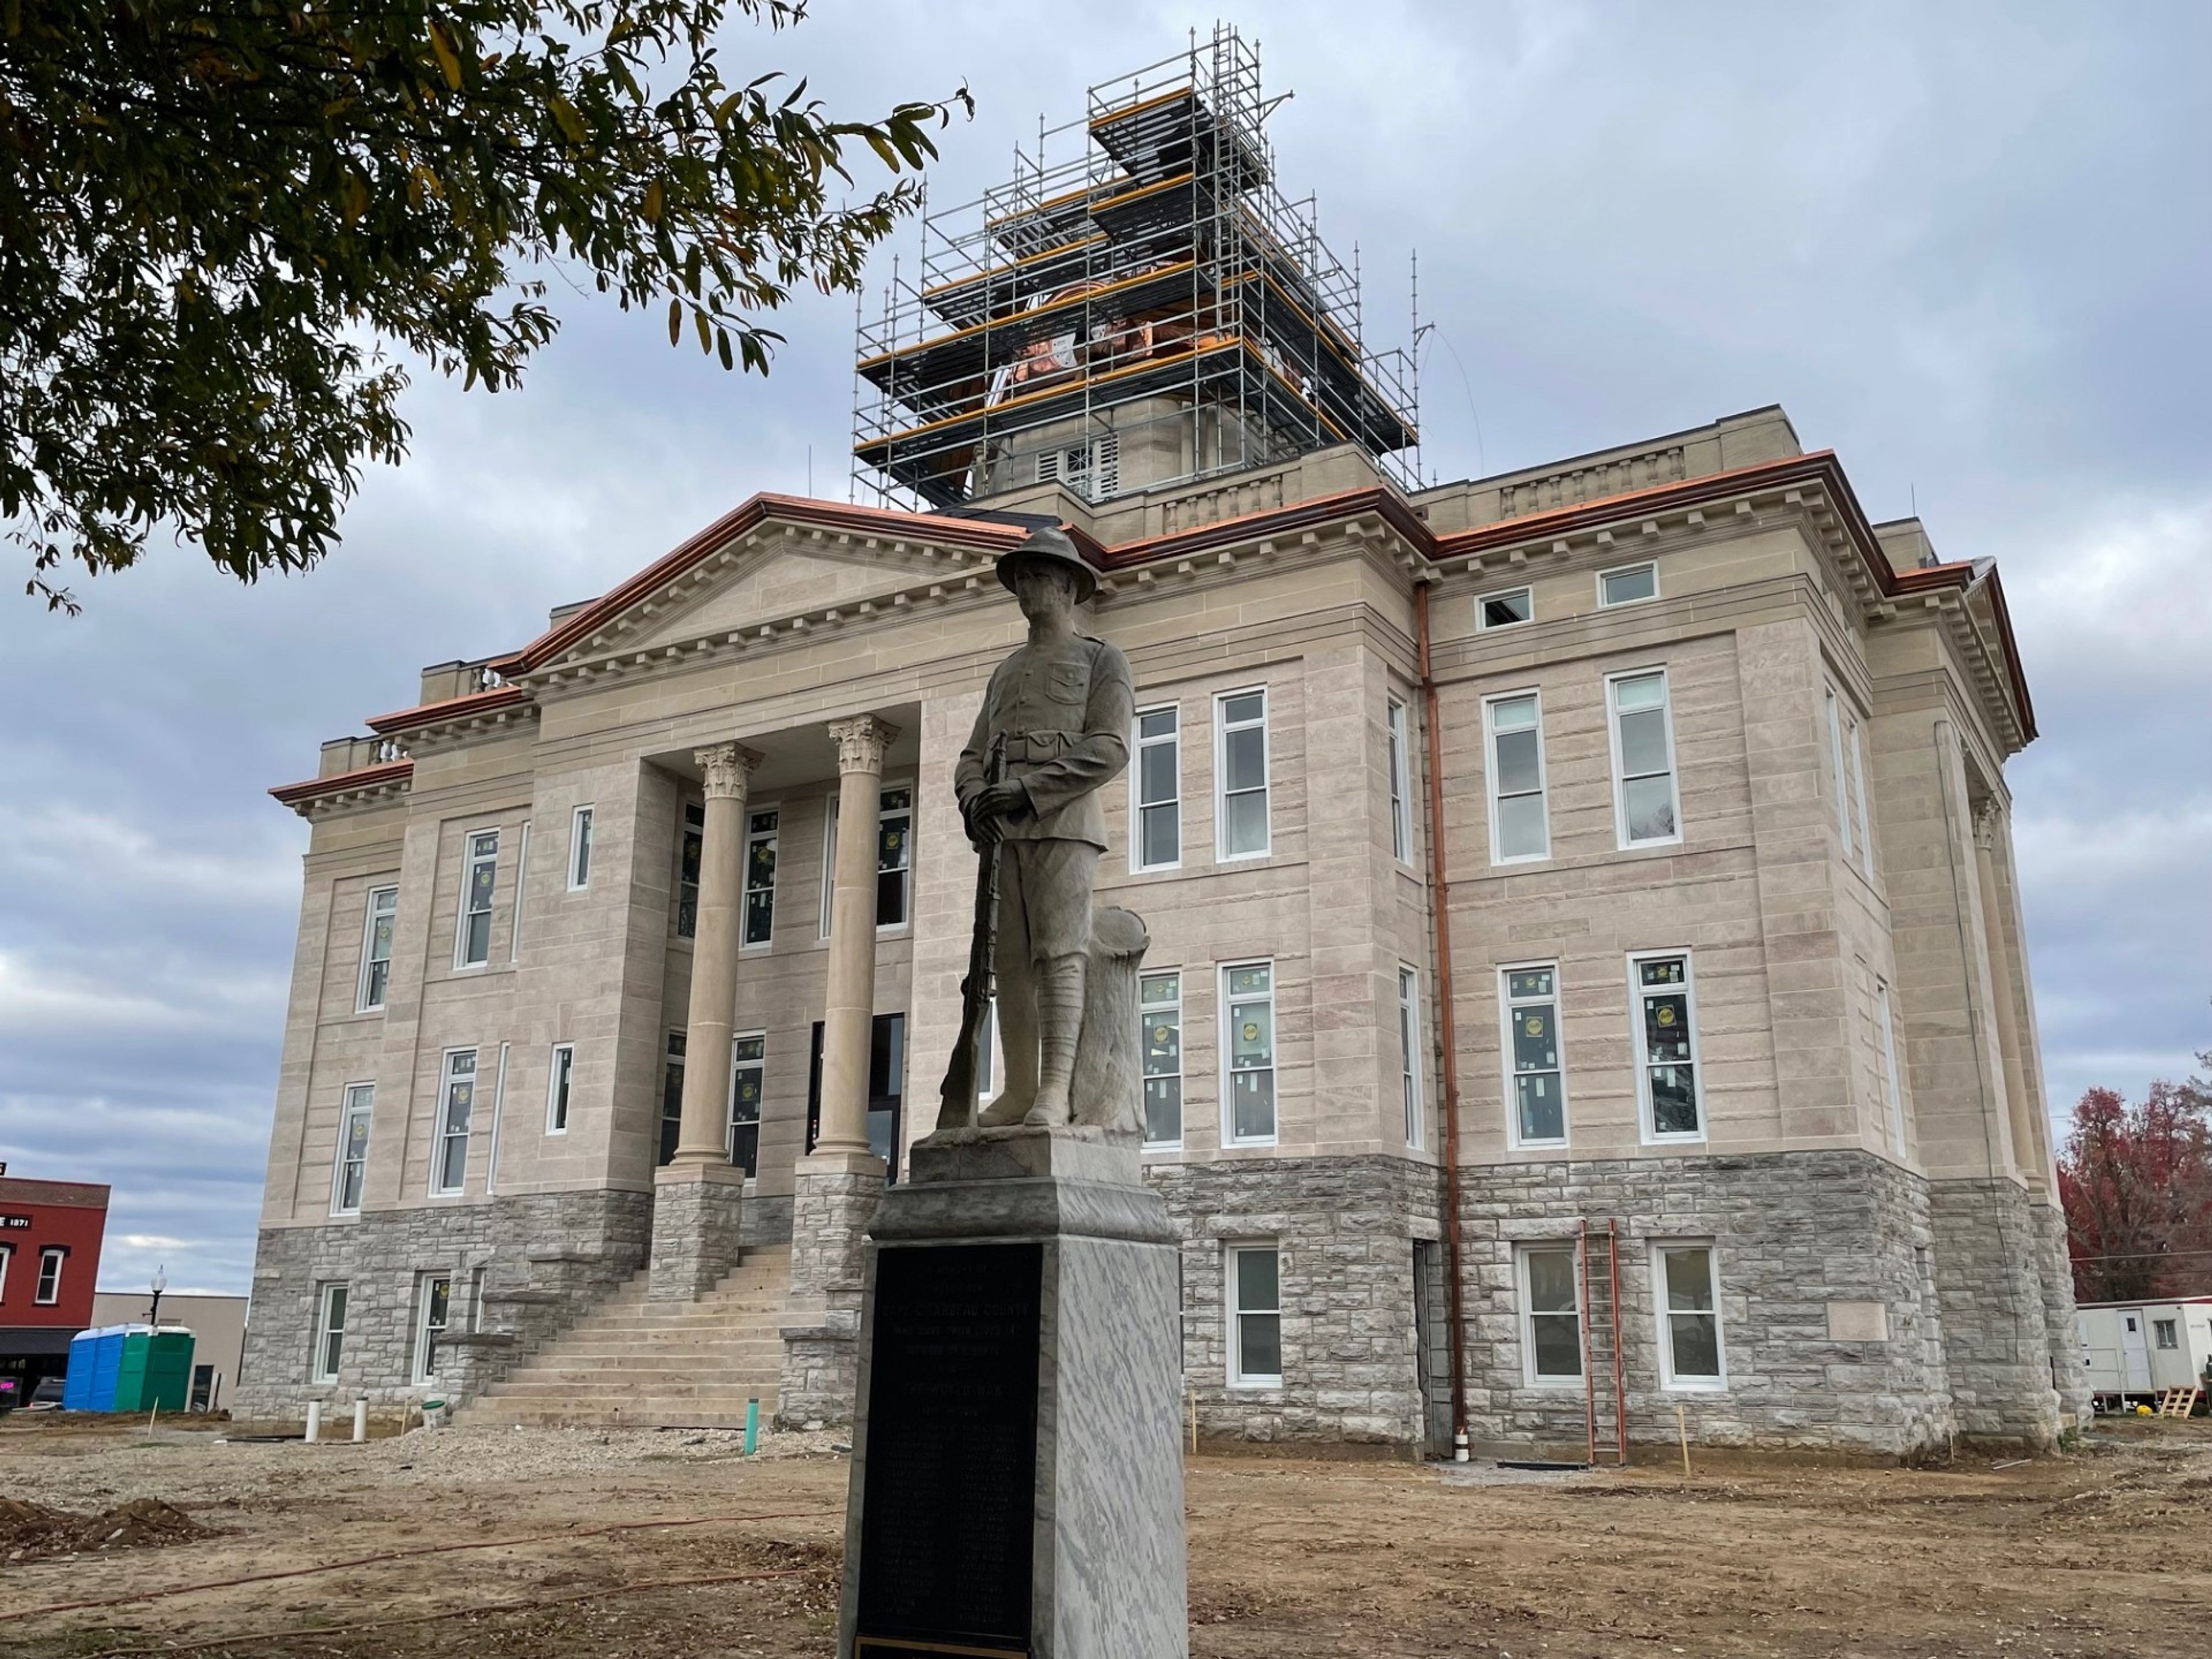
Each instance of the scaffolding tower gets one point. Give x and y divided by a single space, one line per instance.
1150 309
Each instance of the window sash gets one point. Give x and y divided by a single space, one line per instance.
690 848
579 848
748 1078
1692 1350
1520 814
351 1173
1663 1014
1155 790
1551 1316
1409 1054
1890 1084
329 1333
894 860
1504 600
1645 780
671 1096
1401 824
1253 1275
1159 1046
2164 1334
761 840
1624 577
433 1315
1836 770
1248 1055
377 926
1858 792
48 1290
560 1083
457 1094
479 882
1243 774
1534 1061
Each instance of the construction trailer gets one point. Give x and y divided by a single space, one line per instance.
2133 1350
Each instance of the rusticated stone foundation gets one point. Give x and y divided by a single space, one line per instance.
698 1223
833 1201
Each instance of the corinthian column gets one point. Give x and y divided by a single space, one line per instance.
848 1012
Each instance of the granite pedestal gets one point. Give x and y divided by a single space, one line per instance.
1016 1483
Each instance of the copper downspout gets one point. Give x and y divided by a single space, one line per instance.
1440 903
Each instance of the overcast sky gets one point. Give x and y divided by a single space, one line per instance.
1964 247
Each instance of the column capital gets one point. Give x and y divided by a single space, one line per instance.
861 742
726 768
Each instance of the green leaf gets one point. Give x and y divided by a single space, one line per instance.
675 322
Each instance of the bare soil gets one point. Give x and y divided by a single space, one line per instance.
550 1545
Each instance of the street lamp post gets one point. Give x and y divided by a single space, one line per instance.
161 1283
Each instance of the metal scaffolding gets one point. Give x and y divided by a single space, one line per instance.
1152 305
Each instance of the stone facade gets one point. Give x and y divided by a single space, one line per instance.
1832 882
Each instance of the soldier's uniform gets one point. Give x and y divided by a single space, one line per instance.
1064 707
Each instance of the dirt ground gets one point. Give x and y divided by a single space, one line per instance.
545 1544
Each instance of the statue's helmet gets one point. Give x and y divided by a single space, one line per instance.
1051 545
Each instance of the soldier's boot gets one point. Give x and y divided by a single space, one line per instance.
1059 1023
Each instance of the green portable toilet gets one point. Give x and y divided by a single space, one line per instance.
131 1374
157 1370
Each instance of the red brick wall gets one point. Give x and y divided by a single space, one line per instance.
35 1215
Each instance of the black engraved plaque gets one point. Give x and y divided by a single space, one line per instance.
949 1494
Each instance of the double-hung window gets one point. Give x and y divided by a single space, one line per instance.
1520 829
1690 1354
1628 584
1892 1091
49 1289
580 849
1247 1050
376 948
1535 1078
479 873
558 1084
1402 822
1833 705
1645 806
671 1097
1255 1316
1859 794
1551 1315
7 1255
433 1307
760 877
329 1333
1664 1013
1156 782
690 847
1159 1019
1409 1052
748 1070
894 860
1240 767
457 1100
352 1163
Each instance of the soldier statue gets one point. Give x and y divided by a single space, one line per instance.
1058 711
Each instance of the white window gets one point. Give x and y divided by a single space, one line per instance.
1159 1017
1645 809
558 1084
376 948
457 1099
748 1071
690 847
434 1303
1247 1051
7 1255
2163 1332
1535 1082
1551 1316
1514 605
1836 770
1890 1088
48 1290
760 877
1402 823
1690 1354
1255 1316
894 860
1519 828
1628 584
1240 770
352 1162
472 937
329 1333
1409 1052
1859 794
1155 790
580 849
1665 1016
671 1097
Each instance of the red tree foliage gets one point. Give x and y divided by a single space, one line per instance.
2137 1185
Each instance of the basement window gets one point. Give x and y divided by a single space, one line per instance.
1255 1316
329 1333
1506 609
1689 1316
1551 1315
434 1303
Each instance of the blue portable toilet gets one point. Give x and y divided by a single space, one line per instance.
76 1384
107 1366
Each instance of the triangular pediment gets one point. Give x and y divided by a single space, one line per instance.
766 584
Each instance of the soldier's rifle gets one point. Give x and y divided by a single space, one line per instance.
956 1098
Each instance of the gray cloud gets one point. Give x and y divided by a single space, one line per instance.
1965 246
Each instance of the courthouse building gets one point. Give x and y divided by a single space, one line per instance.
1587 974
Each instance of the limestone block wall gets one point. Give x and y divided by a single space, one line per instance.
1999 1346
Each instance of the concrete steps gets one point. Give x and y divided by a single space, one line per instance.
632 1361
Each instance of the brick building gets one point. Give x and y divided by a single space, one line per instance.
1587 974
50 1239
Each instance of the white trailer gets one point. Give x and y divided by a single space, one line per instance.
2132 1350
